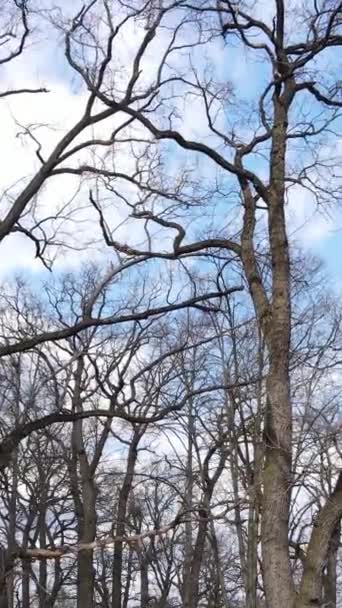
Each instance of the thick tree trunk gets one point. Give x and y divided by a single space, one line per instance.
278 420
274 320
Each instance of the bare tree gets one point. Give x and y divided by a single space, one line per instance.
222 215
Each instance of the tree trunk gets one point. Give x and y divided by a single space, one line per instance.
330 578
191 585
25 583
86 573
320 549
121 518
275 323
144 587
128 577
42 589
3 579
85 501
188 496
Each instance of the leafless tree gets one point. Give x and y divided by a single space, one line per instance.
214 227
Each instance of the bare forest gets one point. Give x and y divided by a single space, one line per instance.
170 348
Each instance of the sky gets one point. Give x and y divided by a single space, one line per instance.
318 231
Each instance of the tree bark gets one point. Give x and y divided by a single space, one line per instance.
3 579
144 586
192 584
322 540
85 501
25 582
121 517
330 577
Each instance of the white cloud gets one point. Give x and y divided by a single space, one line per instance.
305 222
58 110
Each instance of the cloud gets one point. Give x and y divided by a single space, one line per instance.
55 112
305 223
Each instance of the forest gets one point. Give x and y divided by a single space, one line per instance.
170 304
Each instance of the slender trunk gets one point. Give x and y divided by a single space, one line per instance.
3 579
218 565
85 500
42 590
191 587
51 600
121 519
14 486
188 497
144 588
26 564
86 573
330 577
252 544
247 546
234 470
128 578
255 496
12 526
25 584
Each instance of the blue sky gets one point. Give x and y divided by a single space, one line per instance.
330 249
44 64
